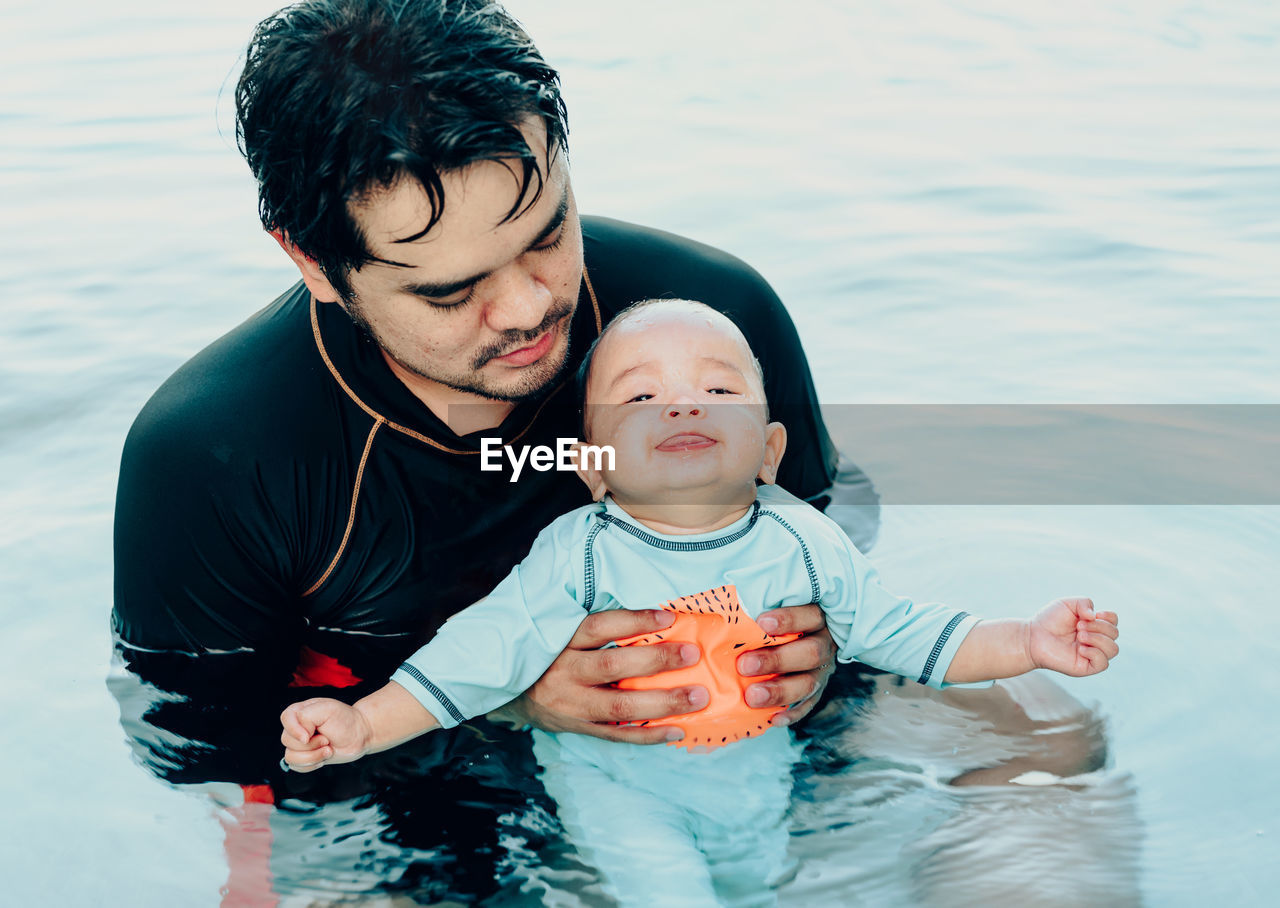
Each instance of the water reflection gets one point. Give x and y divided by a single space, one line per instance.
906 796
962 797
445 816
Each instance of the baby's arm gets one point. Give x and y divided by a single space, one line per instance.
320 730
939 645
1066 636
480 659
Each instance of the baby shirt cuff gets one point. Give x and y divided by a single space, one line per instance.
944 651
433 699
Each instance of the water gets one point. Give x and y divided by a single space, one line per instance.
964 202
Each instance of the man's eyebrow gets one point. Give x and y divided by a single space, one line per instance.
448 288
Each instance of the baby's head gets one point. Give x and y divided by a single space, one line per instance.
673 387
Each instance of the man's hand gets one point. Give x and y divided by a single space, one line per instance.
804 666
320 731
1068 636
575 693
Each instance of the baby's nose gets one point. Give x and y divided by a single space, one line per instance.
684 403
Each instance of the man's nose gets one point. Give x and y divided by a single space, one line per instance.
518 300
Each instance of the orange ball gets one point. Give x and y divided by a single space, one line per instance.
716 623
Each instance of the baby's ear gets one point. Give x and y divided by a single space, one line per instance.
775 443
588 460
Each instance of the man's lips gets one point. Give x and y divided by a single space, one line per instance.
686 441
531 354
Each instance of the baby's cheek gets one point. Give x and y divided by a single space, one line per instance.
628 451
744 432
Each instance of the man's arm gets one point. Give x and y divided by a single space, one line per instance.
202 614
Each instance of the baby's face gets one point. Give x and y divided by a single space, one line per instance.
676 394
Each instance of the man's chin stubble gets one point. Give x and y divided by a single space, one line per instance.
505 395
520 394
527 389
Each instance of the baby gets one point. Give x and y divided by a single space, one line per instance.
680 519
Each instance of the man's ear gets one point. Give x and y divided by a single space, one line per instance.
775 443
312 276
593 478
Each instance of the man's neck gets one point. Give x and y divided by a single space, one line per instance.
462 411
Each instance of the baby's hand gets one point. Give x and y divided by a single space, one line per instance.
320 731
1069 637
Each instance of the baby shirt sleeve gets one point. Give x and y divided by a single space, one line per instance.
872 625
491 652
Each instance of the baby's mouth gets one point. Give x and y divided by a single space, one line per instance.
686 441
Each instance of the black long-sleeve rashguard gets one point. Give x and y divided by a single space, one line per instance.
289 513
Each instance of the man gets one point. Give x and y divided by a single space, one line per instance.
302 504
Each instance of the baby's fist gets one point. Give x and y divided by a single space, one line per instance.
1068 636
321 730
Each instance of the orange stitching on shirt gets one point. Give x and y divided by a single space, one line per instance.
595 305
333 370
351 516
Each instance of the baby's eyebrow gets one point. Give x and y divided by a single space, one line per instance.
641 367
715 360
626 372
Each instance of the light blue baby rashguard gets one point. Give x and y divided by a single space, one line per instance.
782 552
665 825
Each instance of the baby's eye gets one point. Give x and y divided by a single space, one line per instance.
640 398
720 391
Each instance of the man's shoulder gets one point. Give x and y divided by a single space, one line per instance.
629 262
653 249
256 378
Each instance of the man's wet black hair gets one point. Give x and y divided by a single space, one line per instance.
342 98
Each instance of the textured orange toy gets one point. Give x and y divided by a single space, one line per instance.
716 622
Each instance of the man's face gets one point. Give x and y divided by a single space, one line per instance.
483 310
677 395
